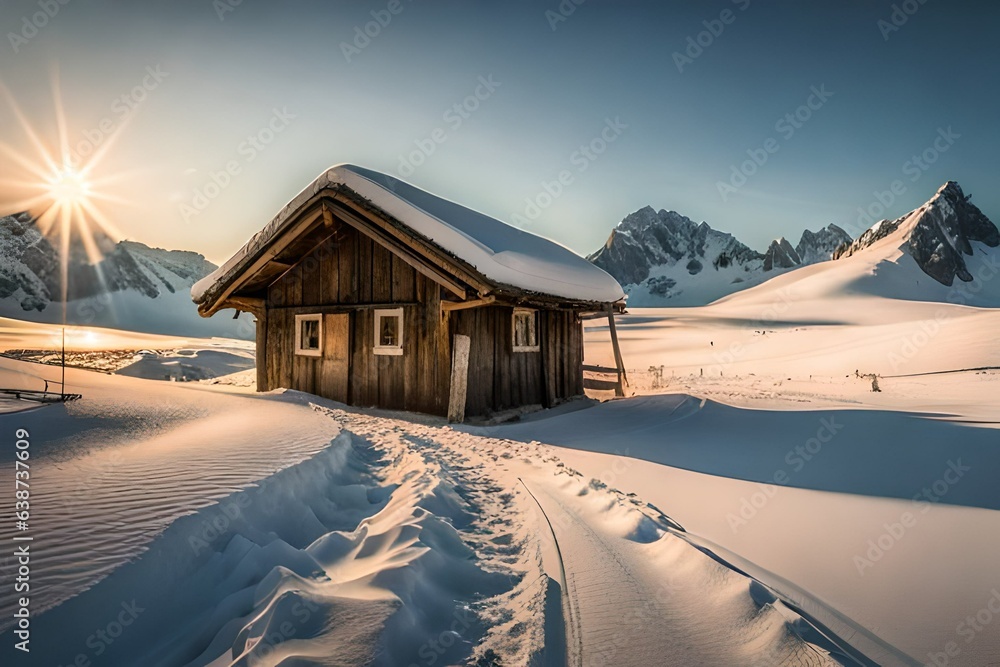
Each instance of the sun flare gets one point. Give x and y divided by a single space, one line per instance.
57 188
69 187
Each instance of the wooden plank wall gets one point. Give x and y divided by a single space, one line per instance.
500 379
350 274
355 272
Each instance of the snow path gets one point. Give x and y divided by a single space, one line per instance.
637 594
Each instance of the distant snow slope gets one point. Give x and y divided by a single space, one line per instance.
133 287
666 259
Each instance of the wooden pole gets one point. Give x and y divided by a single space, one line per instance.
619 363
260 334
459 378
63 387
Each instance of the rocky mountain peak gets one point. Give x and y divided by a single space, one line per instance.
938 235
781 255
648 238
819 246
664 255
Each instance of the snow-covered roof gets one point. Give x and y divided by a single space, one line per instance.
500 252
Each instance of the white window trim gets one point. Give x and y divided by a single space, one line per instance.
299 319
513 330
390 350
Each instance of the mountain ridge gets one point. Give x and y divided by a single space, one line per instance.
938 235
665 258
132 286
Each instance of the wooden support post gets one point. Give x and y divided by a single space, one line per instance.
459 378
619 363
261 341
62 389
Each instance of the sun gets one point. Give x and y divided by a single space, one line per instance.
69 187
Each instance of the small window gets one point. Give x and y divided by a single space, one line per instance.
525 330
309 335
389 331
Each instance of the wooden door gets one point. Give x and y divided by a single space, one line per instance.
336 367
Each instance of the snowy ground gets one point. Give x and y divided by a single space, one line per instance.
882 505
245 530
755 504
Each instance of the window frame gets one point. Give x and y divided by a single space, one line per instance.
533 329
388 350
308 352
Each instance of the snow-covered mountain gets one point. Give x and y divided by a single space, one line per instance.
945 251
938 236
133 286
666 259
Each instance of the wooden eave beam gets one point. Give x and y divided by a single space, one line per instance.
269 253
451 306
247 304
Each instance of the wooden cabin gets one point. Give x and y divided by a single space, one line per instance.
372 292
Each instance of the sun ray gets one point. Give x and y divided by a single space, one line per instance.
22 205
24 162
47 220
102 150
102 221
64 154
113 199
117 177
94 254
65 229
43 152
22 184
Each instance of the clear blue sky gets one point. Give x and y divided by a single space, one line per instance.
684 130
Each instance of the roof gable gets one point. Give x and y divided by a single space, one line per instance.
488 253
